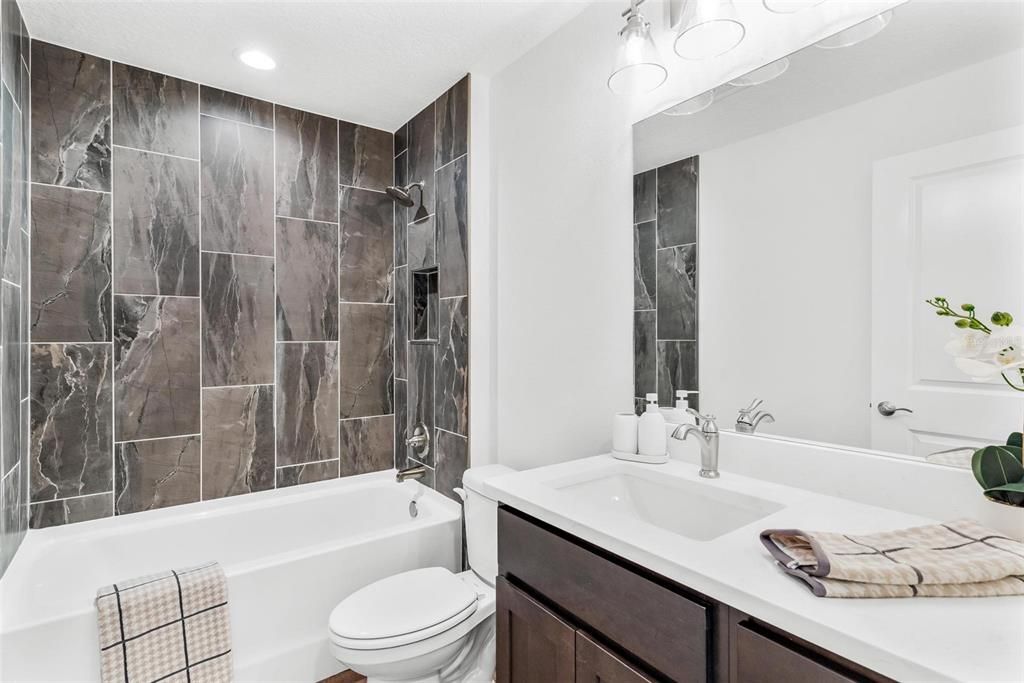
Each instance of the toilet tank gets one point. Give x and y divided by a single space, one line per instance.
482 521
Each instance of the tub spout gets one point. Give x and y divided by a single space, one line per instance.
410 473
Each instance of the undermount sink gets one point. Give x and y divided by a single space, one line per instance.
697 511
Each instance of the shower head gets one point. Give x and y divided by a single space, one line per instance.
403 194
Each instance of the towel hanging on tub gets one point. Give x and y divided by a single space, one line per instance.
170 627
955 559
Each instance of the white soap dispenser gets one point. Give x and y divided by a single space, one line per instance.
678 415
651 439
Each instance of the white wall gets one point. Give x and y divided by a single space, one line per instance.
561 206
785 262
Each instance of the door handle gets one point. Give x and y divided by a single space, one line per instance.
888 409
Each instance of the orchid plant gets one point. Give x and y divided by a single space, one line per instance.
985 353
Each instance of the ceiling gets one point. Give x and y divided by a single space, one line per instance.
374 63
925 39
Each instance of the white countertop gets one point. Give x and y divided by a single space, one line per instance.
910 639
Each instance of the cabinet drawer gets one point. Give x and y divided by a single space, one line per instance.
659 626
594 664
762 659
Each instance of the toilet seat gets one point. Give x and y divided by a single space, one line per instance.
402 609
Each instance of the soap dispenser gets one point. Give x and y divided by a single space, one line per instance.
679 415
651 434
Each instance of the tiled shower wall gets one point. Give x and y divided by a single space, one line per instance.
14 269
213 292
432 374
665 282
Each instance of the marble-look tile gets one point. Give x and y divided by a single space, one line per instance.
13 518
235 107
645 358
452 373
307 474
307 164
420 164
71 420
677 369
71 510
401 213
238 440
13 46
365 156
10 387
645 197
452 125
155 112
401 420
424 307
367 366
14 195
156 474
307 280
450 462
307 402
156 366
421 391
452 228
401 321
70 118
367 445
421 243
238 319
677 293
70 265
645 256
237 163
367 249
402 139
156 224
677 203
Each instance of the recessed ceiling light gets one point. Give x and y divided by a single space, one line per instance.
257 59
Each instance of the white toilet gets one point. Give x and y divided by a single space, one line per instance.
429 625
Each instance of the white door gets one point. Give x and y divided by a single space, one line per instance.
947 221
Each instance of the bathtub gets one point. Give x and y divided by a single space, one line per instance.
290 556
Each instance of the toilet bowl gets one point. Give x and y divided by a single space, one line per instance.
428 625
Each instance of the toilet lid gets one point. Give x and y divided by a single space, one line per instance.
399 607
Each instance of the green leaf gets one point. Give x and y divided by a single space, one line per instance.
1010 494
997 466
1015 439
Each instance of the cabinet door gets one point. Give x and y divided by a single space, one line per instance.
761 659
534 645
594 664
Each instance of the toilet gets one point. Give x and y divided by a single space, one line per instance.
429 625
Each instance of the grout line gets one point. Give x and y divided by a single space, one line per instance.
152 296
676 246
202 313
297 218
404 150
365 303
356 187
461 436
464 154
304 464
364 417
301 341
70 343
232 253
236 386
60 500
221 118
456 296
273 181
113 346
159 438
12 284
149 151
75 189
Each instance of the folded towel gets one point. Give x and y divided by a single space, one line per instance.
170 627
955 559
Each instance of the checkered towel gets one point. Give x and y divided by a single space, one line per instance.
171 627
951 560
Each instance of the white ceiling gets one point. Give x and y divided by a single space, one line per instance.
926 38
374 63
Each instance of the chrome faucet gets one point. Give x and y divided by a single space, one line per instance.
707 436
750 417
416 472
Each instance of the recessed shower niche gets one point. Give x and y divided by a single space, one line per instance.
423 329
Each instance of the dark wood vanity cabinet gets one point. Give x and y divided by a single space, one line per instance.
571 612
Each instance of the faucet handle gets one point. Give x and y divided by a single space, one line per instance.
706 422
754 405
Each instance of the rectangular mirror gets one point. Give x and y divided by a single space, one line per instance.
798 231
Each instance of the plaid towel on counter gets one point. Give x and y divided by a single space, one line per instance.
171 627
955 559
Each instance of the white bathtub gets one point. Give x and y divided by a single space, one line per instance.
290 556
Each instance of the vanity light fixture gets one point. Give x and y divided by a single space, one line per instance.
257 59
692 105
638 66
766 73
790 6
710 29
857 33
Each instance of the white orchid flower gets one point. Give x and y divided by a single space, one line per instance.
968 344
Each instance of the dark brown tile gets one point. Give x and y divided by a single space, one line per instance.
450 462
367 251
645 197
677 203
13 191
677 293
367 445
367 368
71 420
238 440
645 253
10 416
155 112
421 243
307 474
452 125
365 156
307 402
156 366
453 228
645 358
235 107
677 369
420 407
401 322
451 386
420 164
156 474
307 280
401 214
71 510
307 164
